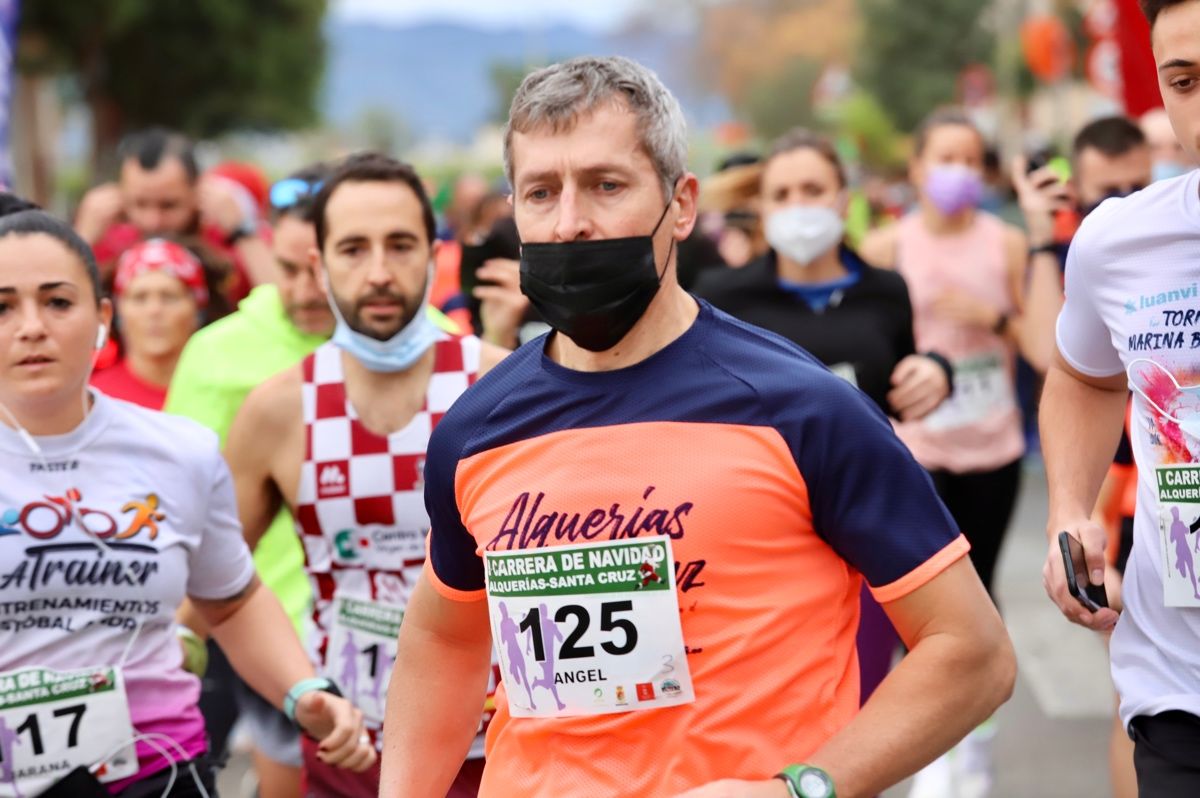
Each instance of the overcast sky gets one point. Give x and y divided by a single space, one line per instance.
591 14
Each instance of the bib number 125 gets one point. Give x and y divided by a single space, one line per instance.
627 633
584 629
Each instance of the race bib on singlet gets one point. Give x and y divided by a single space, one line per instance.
591 629
361 653
982 388
54 721
1178 488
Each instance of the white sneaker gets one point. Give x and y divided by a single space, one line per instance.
973 764
935 780
964 771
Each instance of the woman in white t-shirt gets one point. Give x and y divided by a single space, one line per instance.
110 515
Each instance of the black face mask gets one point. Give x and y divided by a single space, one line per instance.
593 292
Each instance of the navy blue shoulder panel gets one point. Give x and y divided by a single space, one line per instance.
869 498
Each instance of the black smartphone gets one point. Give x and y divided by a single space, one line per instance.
473 256
1037 160
1091 596
502 242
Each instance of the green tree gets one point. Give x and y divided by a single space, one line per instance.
912 52
201 67
779 101
506 77
861 119
381 130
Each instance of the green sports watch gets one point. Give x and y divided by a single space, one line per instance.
806 781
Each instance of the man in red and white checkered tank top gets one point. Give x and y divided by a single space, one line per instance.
361 515
341 439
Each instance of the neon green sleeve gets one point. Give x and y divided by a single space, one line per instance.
198 394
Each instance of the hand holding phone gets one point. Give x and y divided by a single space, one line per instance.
1094 597
1042 194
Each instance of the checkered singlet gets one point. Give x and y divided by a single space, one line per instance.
360 510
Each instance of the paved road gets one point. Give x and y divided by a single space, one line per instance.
1052 737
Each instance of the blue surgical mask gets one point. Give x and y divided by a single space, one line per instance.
397 353
1165 170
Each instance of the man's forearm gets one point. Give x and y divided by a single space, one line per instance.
434 704
258 259
1043 301
1080 428
943 688
88 231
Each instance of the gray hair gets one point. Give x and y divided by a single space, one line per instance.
556 96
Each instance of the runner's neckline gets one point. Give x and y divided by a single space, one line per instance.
68 443
649 367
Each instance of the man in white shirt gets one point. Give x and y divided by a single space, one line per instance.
1132 318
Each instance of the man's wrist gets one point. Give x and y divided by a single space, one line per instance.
507 341
1066 521
807 781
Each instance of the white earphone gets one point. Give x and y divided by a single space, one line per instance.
101 336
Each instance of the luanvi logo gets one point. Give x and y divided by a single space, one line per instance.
1151 301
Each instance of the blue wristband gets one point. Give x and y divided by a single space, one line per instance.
305 686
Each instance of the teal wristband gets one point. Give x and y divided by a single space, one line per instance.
300 688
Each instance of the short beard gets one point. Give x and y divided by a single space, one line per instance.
352 313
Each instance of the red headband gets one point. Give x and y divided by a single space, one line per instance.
160 255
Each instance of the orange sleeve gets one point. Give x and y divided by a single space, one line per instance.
923 574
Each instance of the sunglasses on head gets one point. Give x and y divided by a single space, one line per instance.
290 191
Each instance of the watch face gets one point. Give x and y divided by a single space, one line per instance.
815 784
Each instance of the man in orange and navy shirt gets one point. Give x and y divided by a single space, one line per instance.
664 516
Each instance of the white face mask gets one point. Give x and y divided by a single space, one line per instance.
803 233
1190 425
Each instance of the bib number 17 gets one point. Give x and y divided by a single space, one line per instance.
623 642
33 728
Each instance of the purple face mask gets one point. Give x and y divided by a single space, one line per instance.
953 188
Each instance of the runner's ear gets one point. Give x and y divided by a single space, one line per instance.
318 265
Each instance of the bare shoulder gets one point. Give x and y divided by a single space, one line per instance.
1016 249
878 247
1015 238
271 411
490 356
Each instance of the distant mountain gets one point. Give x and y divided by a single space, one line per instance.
434 77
